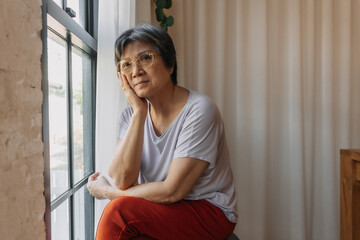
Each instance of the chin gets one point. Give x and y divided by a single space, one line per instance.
141 94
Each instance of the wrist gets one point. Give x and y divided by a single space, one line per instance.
113 192
140 114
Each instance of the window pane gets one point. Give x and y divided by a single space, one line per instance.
83 210
60 222
58 126
79 6
82 117
59 2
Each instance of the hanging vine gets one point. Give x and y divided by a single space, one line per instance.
164 20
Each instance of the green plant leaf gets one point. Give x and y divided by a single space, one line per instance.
163 25
168 4
169 21
160 3
159 15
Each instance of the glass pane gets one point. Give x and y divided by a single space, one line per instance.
59 2
82 117
60 222
79 6
83 212
58 126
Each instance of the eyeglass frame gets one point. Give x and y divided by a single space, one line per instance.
137 59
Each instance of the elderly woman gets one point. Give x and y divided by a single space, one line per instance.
171 166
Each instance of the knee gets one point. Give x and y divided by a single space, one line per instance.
114 218
117 212
119 204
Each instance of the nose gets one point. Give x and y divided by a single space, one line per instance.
137 69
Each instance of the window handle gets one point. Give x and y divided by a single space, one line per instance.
71 12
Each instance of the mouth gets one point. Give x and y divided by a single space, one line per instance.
141 83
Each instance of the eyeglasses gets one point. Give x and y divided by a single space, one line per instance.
145 60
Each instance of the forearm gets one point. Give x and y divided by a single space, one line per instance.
158 192
154 191
125 166
182 176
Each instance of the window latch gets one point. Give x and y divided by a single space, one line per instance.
71 12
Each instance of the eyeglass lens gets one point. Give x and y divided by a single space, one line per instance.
145 60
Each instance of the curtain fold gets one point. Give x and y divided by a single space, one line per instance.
286 77
114 18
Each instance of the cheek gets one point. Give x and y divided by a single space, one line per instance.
130 80
161 71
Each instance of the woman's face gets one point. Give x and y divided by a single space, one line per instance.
146 79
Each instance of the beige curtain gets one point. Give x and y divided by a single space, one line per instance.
286 77
114 18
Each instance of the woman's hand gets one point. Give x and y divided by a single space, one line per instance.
98 186
137 103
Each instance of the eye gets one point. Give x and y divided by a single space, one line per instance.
146 57
125 64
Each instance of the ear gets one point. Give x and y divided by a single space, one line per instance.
171 70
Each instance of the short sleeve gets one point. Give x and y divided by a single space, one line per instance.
124 122
201 133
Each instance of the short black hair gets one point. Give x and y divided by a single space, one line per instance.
149 33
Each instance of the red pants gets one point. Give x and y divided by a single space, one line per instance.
135 218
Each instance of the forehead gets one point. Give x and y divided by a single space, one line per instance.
136 47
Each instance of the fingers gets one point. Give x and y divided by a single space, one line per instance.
121 81
135 101
94 176
120 76
124 82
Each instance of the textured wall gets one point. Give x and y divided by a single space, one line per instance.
22 203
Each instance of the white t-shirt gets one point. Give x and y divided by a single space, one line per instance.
197 132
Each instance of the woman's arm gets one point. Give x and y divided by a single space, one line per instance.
183 174
125 166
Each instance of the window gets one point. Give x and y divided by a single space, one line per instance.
69 64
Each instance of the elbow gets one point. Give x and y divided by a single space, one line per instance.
120 184
173 199
173 196
172 193
120 180
123 187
